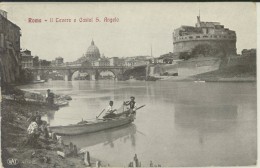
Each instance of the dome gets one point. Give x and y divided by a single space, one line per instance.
93 52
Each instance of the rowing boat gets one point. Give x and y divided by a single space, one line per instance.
92 126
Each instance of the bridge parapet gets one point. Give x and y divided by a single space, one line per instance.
67 71
79 67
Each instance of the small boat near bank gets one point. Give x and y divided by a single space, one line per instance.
92 126
61 103
37 81
199 81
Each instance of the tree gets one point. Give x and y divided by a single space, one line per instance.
185 55
202 49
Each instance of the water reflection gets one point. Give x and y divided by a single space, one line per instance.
206 119
106 137
50 116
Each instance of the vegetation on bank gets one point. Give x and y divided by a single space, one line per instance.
234 73
15 121
204 50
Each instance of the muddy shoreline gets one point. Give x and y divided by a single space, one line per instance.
15 115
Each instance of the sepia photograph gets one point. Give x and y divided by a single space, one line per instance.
128 84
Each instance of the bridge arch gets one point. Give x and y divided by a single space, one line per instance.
90 72
107 70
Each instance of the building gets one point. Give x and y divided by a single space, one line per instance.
58 61
115 61
249 52
10 58
102 62
36 61
26 59
92 53
130 62
216 35
138 60
44 63
167 58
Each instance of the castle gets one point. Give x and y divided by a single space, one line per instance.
214 34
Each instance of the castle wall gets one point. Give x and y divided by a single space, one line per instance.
188 45
198 66
241 60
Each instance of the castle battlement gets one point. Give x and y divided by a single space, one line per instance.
203 37
186 38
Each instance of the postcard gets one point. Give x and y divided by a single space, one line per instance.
128 84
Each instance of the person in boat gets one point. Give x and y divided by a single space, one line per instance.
131 104
110 111
50 97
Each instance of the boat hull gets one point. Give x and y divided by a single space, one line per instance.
91 127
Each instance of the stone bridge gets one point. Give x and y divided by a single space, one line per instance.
43 73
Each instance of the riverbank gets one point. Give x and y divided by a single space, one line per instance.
215 79
228 74
15 115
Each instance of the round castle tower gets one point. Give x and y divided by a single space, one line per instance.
214 34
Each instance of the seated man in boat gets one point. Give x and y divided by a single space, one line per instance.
131 104
50 97
110 111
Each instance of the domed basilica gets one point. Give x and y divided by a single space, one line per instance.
93 53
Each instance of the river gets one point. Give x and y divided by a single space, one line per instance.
182 124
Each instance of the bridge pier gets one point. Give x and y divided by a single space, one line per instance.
66 77
93 77
38 77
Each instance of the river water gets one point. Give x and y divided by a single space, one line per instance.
182 124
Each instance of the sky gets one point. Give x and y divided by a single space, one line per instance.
141 26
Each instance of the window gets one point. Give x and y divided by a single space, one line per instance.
197 36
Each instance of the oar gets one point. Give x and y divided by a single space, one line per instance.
140 133
139 107
100 113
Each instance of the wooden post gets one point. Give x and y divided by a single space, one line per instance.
151 164
98 163
71 149
75 150
130 164
46 133
87 159
135 161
